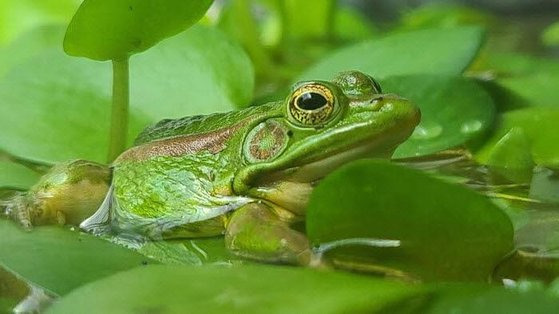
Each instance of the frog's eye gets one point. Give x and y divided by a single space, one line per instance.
311 105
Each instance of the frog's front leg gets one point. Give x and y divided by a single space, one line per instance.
255 231
67 194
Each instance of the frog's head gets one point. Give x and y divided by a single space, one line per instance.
324 125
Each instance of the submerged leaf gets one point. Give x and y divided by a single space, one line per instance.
60 260
443 231
16 176
245 289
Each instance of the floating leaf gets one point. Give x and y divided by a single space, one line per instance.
511 157
308 19
550 36
454 110
115 29
66 101
490 300
538 89
443 15
538 124
60 260
530 81
16 176
20 16
30 44
435 51
446 231
246 289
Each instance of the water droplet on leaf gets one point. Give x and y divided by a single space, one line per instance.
427 131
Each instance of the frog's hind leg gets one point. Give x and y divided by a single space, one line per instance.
255 231
67 194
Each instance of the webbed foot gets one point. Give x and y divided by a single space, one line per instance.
256 232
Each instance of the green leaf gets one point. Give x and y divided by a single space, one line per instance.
353 25
538 123
16 176
308 19
435 51
29 45
238 21
446 231
511 157
56 107
454 110
529 80
538 89
60 260
443 15
515 65
550 36
20 16
490 300
116 29
246 289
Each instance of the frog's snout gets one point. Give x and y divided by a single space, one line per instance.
397 107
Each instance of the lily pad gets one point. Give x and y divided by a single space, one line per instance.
434 51
444 231
539 89
30 44
16 176
489 300
60 260
114 30
309 19
530 80
57 108
20 16
511 157
443 15
454 110
246 289
538 124
550 36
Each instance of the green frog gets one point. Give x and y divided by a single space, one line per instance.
245 174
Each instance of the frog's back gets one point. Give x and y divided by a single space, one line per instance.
199 124
177 180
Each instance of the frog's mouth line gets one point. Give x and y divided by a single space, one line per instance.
375 147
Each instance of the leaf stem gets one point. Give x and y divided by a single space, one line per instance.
119 113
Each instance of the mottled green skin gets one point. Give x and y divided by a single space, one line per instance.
161 191
166 192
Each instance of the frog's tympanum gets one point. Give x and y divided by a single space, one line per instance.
246 174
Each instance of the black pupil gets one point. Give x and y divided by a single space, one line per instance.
311 101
